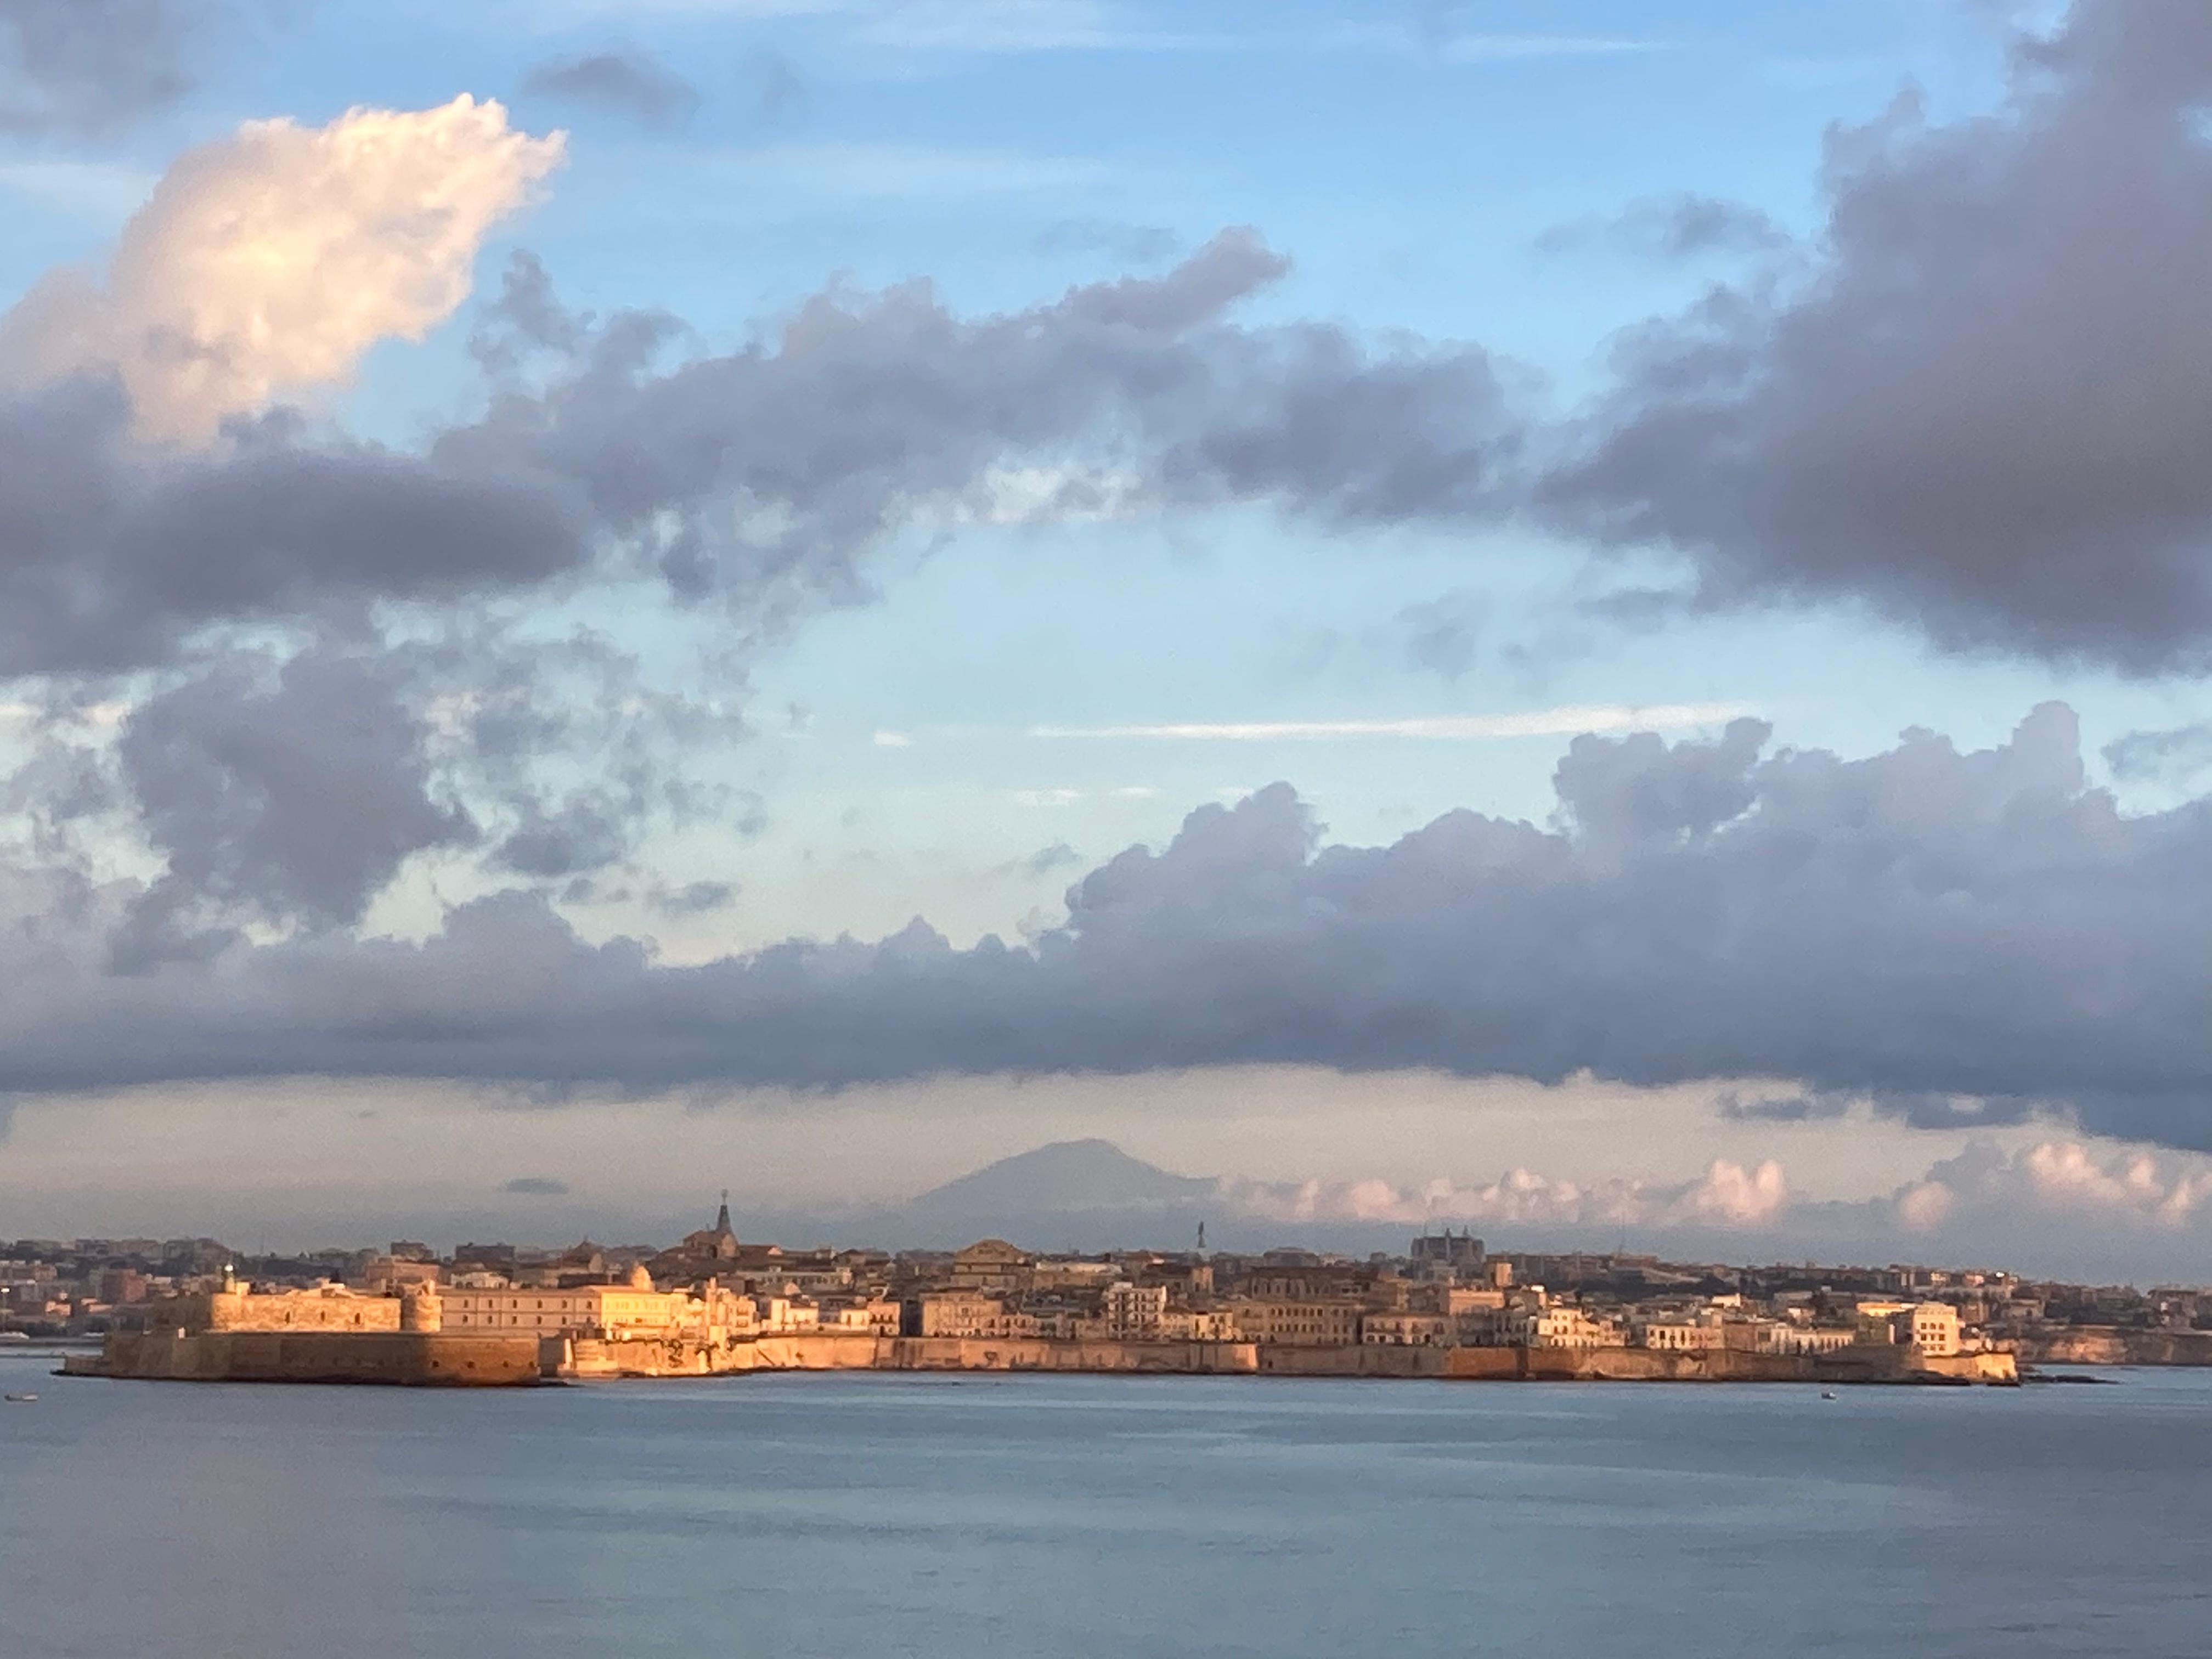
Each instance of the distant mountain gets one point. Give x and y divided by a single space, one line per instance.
1070 1177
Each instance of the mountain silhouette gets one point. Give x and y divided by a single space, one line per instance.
1069 1177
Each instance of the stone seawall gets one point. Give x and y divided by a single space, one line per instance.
861 1351
2107 1344
394 1359
452 1359
839 1351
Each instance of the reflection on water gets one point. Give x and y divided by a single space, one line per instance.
849 1515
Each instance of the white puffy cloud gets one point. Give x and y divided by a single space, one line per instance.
1731 1195
266 263
1925 1205
1727 1195
2066 1183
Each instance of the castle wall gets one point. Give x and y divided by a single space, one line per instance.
403 1359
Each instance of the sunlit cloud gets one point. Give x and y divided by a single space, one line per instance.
266 265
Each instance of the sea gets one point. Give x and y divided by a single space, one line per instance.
838 1515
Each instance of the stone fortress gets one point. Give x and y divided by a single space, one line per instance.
712 1306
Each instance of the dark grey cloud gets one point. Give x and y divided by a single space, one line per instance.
587 831
622 79
1979 408
866 415
536 1187
111 559
1916 926
87 66
760 481
292 791
863 416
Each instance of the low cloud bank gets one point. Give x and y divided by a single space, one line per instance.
1957 937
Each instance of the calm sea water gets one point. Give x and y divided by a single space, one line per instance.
851 1516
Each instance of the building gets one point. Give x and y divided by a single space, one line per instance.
1296 1322
1306 1281
633 1308
1805 1339
1074 1272
388 1274
783 1315
1930 1327
1132 1312
1679 1335
1390 1330
964 1313
1448 1249
239 1306
1561 1328
992 1267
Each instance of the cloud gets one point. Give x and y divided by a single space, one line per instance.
296 791
536 1187
1974 406
1442 635
622 80
762 480
1731 1195
696 898
585 831
85 66
1678 227
2177 752
2058 1181
1046 859
266 263
117 557
1728 1195
1924 1205
1546 722
1918 925
772 471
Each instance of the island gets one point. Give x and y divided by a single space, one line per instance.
490 1316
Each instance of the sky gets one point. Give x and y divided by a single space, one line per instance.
1574 616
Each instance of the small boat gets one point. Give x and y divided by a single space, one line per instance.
18 1398
1827 1394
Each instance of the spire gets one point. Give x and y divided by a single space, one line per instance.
722 1215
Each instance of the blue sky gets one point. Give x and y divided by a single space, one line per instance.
1009 704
